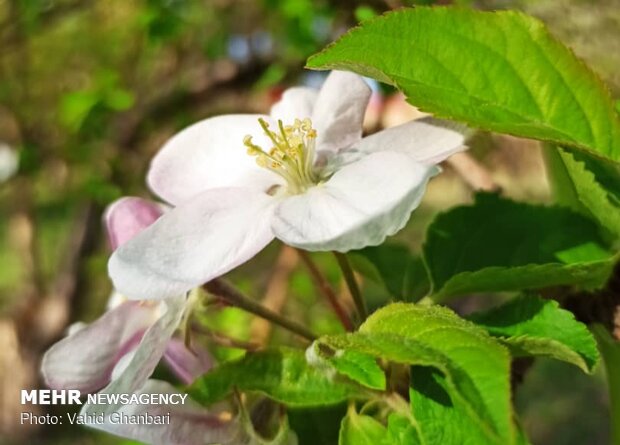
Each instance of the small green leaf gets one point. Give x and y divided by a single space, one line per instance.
362 368
473 366
500 71
281 374
394 266
360 430
532 326
501 245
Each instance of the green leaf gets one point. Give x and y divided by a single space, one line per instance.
594 185
500 71
501 245
360 430
474 366
281 374
394 266
362 368
401 431
533 326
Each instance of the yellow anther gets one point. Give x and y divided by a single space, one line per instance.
291 155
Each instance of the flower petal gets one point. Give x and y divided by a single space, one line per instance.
187 365
195 242
130 375
339 111
85 359
296 103
128 216
189 423
359 206
209 154
427 140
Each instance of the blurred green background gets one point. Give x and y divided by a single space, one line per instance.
90 89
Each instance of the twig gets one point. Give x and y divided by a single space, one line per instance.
231 295
224 340
349 277
326 290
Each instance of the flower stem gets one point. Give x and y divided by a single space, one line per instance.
230 294
326 290
349 277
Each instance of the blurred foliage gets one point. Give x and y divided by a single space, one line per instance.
90 89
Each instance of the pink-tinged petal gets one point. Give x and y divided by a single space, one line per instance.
207 155
187 365
339 111
127 217
85 359
296 103
428 140
195 242
189 423
130 375
359 206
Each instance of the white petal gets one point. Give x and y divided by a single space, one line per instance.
195 242
296 103
209 154
426 140
190 423
128 216
186 364
130 376
85 359
339 111
359 206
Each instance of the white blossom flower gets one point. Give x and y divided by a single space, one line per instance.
303 175
131 333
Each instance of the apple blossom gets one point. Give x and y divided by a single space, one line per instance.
92 355
303 175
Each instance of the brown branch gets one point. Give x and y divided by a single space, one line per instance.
224 340
234 297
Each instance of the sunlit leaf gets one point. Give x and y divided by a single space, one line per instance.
500 71
531 326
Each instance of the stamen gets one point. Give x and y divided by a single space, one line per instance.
292 153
